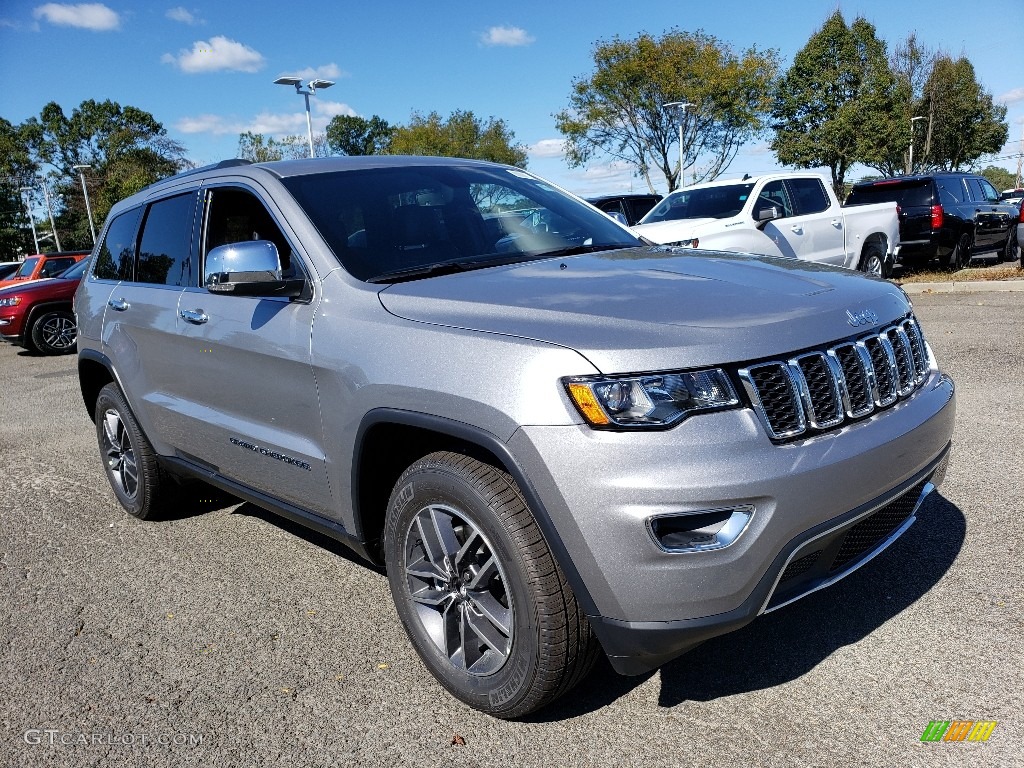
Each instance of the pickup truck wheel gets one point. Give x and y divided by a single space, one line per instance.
961 255
479 594
1011 252
872 261
128 459
55 333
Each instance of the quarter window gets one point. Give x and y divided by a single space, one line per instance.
164 251
117 251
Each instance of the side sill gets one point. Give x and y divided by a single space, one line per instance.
288 511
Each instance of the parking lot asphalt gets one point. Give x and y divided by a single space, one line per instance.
225 637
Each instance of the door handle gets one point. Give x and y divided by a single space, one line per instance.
194 316
837 223
119 305
797 230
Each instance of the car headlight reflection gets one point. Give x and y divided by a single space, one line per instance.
649 400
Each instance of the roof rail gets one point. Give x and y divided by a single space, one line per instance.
232 163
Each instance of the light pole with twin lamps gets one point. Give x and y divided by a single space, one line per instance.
311 88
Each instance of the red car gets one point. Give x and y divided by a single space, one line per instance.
37 315
43 265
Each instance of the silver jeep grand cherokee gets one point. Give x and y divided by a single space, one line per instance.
558 438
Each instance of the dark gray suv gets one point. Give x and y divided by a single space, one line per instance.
559 441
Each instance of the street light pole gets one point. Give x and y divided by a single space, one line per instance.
31 221
85 193
910 168
309 90
49 209
682 106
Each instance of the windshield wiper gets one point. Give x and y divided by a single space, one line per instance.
423 270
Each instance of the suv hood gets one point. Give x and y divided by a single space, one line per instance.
643 309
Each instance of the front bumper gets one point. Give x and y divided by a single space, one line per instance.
649 605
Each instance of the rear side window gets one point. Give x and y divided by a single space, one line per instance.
809 196
164 250
907 195
116 254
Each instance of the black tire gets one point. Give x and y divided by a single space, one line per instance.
55 332
872 261
497 565
1011 251
960 257
134 474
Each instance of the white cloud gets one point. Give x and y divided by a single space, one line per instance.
547 148
1012 97
220 53
327 71
270 124
94 16
509 36
183 15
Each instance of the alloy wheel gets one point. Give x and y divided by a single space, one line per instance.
459 589
119 454
59 332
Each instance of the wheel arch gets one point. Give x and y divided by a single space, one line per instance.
389 440
94 373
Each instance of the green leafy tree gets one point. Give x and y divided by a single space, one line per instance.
964 123
16 169
834 106
263 149
354 135
463 134
910 62
126 147
618 110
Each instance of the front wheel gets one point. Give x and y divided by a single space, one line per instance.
477 589
1011 251
55 333
872 261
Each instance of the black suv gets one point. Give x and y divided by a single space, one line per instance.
632 208
947 216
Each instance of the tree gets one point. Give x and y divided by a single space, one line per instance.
353 135
126 147
463 134
261 149
16 169
619 110
834 107
910 63
964 123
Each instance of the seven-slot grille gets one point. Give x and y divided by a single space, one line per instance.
821 389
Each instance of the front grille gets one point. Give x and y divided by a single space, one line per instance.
875 528
824 388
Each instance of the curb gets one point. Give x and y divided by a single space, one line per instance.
965 286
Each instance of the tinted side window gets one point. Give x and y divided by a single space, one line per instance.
55 267
164 250
950 193
809 196
641 207
991 196
115 257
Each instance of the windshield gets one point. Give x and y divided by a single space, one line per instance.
406 220
703 203
26 268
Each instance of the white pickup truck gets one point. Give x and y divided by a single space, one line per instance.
780 214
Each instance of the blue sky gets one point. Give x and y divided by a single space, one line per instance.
205 70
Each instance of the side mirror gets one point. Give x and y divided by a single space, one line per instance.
248 268
764 215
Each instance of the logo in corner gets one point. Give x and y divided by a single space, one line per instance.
864 317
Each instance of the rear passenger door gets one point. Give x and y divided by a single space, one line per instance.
141 316
252 412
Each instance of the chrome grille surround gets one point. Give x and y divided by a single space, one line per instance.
819 390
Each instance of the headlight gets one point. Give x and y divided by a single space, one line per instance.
649 400
10 301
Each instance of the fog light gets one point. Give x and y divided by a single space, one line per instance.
701 531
